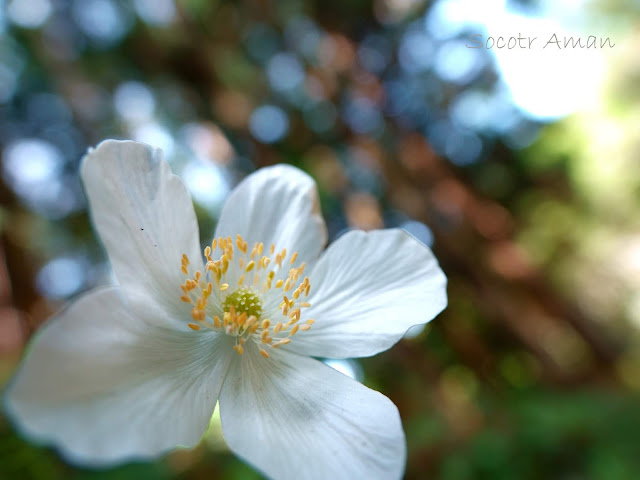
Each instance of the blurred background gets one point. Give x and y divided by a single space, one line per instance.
519 167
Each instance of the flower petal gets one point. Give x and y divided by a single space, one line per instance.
145 218
106 387
293 417
276 205
366 291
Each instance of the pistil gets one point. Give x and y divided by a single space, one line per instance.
246 294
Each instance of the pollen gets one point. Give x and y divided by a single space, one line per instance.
250 294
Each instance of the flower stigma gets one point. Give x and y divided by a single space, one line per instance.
252 294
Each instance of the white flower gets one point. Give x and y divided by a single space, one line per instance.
133 370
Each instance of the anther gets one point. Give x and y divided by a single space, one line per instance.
242 306
284 341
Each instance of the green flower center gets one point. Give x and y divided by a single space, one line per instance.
244 300
228 295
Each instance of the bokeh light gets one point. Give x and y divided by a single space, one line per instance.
269 123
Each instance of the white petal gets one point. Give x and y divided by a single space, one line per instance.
105 387
276 205
366 291
293 417
145 218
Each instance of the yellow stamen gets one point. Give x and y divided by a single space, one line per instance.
230 293
284 341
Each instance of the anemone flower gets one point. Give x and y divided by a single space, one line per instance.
133 370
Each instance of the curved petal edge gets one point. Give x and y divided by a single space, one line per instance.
276 205
367 290
105 387
294 417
